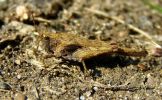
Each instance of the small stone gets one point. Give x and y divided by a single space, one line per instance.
157 51
142 67
20 96
21 12
82 98
95 88
88 94
17 62
123 33
18 76
3 4
5 86
136 97
2 72
151 80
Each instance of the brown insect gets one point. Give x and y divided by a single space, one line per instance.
77 48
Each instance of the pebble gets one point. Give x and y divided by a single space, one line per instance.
5 86
136 97
1 73
142 67
17 62
3 4
88 94
20 96
95 88
18 76
82 98
21 12
151 80
157 51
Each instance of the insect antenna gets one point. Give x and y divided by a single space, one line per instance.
40 35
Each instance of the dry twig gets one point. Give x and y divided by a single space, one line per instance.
120 87
104 14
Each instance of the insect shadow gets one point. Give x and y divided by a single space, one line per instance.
110 61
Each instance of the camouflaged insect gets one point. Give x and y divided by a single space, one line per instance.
77 48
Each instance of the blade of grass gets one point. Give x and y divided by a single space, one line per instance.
153 5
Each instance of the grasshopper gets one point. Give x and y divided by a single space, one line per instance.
74 47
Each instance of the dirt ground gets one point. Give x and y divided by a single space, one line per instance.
26 72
